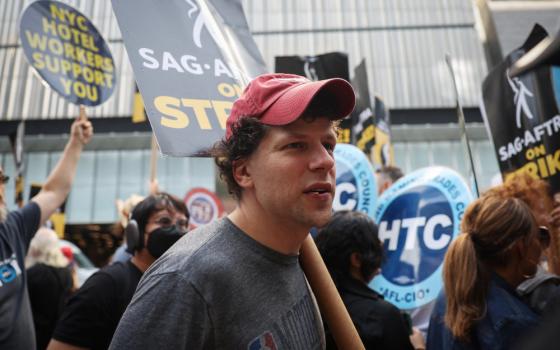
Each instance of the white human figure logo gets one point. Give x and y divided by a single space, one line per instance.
309 68
199 23
521 92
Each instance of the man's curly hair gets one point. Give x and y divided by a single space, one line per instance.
249 133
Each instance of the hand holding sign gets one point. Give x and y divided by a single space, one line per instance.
81 132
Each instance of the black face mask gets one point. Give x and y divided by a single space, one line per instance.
162 239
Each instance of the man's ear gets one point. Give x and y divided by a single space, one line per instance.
241 173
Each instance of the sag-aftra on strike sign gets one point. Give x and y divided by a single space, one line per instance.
68 52
522 117
191 60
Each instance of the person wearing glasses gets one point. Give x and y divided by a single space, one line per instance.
93 313
499 248
18 227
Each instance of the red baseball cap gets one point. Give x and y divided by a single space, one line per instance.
279 99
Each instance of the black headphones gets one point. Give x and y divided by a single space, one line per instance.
134 238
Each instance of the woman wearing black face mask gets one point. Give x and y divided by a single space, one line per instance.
161 230
168 232
93 313
353 254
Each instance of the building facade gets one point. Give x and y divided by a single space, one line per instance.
404 43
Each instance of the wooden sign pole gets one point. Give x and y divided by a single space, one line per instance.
332 308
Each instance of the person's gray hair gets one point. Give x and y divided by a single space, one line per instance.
45 249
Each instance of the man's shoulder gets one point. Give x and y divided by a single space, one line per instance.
19 215
19 227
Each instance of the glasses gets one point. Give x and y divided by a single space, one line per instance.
166 222
544 236
4 178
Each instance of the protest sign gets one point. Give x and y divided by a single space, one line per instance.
204 207
363 123
356 186
382 153
522 118
191 60
68 52
325 66
418 217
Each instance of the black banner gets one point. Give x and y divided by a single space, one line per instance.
363 125
325 66
383 149
522 117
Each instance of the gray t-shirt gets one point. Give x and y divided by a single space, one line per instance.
217 288
16 321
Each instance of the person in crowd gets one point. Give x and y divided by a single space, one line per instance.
353 253
49 282
537 291
536 194
386 176
498 249
16 231
93 312
236 283
124 208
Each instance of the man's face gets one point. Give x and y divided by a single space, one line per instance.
293 174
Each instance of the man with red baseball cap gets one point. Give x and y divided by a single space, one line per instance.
237 283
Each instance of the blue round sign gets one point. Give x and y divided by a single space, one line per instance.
418 217
356 187
68 52
555 71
